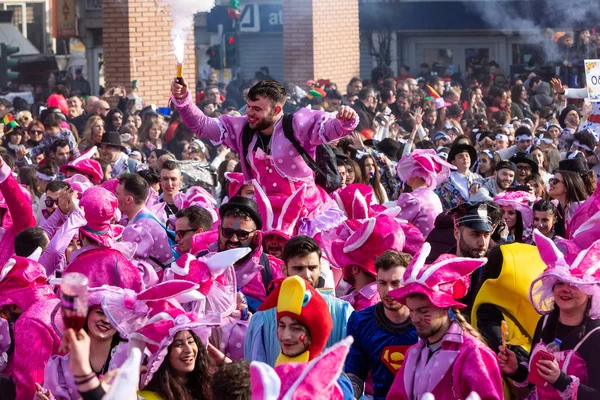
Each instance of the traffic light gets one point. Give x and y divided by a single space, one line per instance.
214 56
231 43
6 63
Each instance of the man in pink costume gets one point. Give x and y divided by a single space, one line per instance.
448 361
280 218
270 158
32 306
102 259
16 213
144 229
423 171
241 226
356 255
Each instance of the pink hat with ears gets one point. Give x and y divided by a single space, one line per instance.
215 276
128 311
315 380
86 166
425 164
587 210
79 183
198 196
582 238
583 273
236 183
100 207
355 201
519 201
159 333
414 238
442 282
369 240
280 215
18 277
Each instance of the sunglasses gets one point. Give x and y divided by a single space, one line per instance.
36 132
50 202
239 233
181 233
556 181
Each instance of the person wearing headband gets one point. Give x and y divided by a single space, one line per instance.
523 140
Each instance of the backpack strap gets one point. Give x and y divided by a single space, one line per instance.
266 272
247 135
288 131
568 359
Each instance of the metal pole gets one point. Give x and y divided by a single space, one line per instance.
221 52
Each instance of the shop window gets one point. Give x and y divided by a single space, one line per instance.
438 58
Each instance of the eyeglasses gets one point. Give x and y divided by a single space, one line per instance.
50 202
36 132
524 167
240 234
181 233
556 181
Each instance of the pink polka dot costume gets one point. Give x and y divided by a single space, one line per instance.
281 170
422 205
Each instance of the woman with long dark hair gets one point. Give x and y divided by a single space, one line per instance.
372 177
104 339
179 367
566 294
568 188
517 215
114 120
545 215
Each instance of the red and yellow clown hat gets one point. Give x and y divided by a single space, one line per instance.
295 298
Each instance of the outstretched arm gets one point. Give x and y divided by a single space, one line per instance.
193 117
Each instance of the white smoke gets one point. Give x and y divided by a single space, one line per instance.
564 15
182 14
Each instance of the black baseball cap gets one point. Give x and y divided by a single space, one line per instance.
506 164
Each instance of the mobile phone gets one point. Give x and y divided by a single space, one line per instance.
534 377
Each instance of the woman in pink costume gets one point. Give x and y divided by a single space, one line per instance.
449 361
27 301
268 156
517 215
423 171
59 382
568 297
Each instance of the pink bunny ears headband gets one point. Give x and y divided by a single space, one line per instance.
442 282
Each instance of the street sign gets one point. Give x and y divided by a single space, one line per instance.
592 77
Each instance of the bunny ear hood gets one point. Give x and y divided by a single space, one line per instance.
280 214
443 282
583 273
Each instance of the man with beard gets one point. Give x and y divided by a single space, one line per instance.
473 227
280 165
382 333
497 184
241 226
450 360
301 257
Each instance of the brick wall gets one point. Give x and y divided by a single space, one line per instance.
137 45
321 40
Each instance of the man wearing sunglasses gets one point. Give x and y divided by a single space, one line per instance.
53 190
241 226
190 221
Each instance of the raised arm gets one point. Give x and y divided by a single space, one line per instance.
193 117
313 128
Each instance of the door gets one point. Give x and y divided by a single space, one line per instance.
96 77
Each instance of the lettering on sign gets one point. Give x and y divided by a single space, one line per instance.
592 76
93 5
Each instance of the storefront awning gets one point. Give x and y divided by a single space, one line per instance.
10 35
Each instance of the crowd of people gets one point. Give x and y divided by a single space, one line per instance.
404 238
